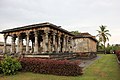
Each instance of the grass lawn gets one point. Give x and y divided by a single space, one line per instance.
105 68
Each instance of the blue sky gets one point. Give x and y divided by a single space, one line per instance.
81 15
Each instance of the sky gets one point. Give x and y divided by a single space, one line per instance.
72 15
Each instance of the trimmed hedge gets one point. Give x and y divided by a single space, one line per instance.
117 52
48 66
0 67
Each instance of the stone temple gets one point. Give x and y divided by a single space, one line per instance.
46 38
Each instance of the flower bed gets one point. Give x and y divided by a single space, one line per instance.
48 66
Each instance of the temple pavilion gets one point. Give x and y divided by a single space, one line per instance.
42 37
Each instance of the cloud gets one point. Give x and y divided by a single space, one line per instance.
82 15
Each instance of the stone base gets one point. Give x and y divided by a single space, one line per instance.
40 56
59 56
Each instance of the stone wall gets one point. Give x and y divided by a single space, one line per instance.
85 45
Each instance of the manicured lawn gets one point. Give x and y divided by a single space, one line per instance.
105 68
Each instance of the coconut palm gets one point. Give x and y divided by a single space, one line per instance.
103 34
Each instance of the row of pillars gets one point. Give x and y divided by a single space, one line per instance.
46 46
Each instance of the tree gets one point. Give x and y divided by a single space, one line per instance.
103 34
75 32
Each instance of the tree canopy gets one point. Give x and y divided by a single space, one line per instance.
103 34
75 32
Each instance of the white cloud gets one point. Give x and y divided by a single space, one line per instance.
82 15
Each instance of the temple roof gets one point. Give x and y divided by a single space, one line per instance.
39 25
85 35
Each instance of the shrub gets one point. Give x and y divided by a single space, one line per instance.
0 68
117 52
119 57
10 65
56 67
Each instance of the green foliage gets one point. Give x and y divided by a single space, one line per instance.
75 32
10 65
104 68
100 47
109 49
0 68
103 34
116 47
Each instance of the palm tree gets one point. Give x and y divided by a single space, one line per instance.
103 35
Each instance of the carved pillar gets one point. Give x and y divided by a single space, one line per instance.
32 49
21 45
54 48
70 44
67 46
5 39
45 42
40 45
64 44
56 43
49 44
13 44
36 42
59 45
18 44
27 42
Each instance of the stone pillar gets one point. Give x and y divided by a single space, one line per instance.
36 42
67 45
13 44
5 39
27 42
32 49
59 45
70 44
45 41
54 47
18 44
64 43
49 44
21 45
